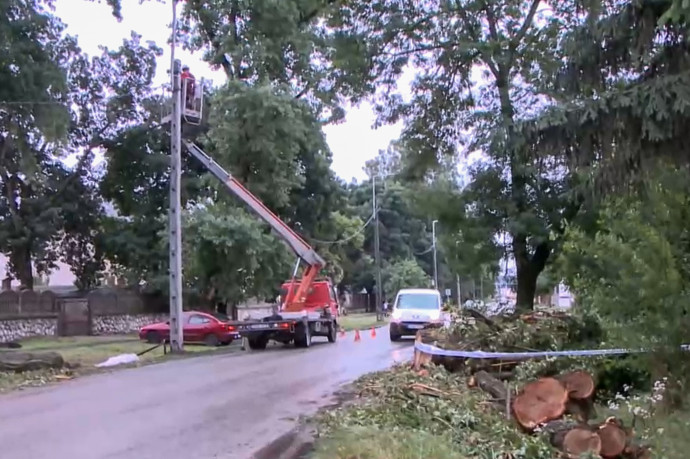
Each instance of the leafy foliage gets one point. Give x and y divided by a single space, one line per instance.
634 271
399 399
404 274
220 236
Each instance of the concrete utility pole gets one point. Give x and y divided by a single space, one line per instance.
377 255
433 237
175 226
457 280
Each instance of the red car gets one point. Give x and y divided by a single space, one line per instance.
198 327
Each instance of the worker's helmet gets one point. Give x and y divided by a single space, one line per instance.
185 67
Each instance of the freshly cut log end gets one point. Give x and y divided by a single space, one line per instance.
579 441
29 361
540 401
580 384
613 440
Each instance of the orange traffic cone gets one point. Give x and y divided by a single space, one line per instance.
373 332
357 338
342 332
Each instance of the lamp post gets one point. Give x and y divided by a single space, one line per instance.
433 237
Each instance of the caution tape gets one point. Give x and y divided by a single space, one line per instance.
435 350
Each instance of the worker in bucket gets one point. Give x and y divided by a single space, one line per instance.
187 87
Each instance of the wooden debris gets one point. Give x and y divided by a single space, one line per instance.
28 361
540 401
613 439
580 384
580 440
541 405
490 385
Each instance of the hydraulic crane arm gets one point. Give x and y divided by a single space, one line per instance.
295 299
292 239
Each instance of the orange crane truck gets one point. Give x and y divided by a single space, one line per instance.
309 306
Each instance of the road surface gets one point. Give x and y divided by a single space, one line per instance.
223 406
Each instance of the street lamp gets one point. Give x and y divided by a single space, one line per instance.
433 237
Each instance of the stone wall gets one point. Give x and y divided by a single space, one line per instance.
124 323
13 329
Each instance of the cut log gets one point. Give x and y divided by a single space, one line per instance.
28 361
490 385
579 441
540 401
582 410
580 384
613 439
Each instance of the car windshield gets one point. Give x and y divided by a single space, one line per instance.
417 301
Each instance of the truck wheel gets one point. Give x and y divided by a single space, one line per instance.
257 343
303 336
332 332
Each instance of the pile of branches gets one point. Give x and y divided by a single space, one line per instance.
562 407
537 331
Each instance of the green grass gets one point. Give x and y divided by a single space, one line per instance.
375 443
84 352
360 321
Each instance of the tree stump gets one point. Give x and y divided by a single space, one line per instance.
29 361
578 441
613 439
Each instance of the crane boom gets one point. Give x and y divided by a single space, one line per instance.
303 250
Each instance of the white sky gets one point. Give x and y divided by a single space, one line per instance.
352 142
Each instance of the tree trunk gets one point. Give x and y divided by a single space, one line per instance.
21 261
526 287
29 361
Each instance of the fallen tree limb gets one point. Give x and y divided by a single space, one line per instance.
29 361
490 385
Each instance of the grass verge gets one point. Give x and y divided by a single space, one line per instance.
405 415
360 321
84 352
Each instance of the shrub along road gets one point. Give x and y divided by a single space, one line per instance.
224 406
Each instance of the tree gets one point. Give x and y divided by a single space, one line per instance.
265 41
635 270
447 42
56 102
220 236
404 273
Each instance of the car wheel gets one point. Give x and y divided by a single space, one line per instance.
211 340
332 332
153 337
394 337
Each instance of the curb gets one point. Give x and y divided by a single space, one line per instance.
295 444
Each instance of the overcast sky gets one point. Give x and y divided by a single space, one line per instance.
352 142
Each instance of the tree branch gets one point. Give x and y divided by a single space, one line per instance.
520 35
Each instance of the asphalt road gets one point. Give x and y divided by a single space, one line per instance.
223 406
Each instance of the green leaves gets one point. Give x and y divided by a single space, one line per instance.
228 254
634 271
404 274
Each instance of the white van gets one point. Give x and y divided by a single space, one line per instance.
415 309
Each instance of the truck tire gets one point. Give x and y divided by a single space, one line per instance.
303 335
332 332
257 343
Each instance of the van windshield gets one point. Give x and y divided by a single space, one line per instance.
417 301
